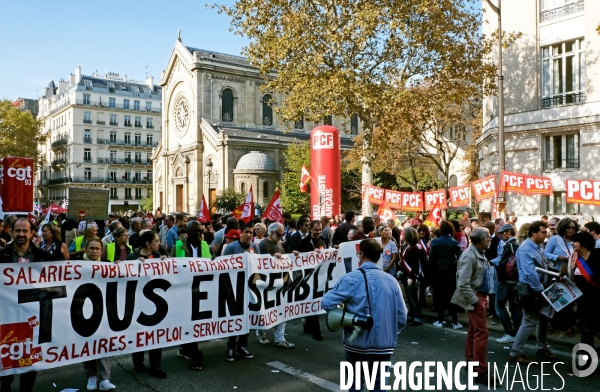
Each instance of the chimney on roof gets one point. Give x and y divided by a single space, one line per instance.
150 82
77 74
125 77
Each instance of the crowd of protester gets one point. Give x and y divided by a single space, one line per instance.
467 266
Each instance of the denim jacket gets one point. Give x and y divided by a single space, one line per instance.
529 255
387 308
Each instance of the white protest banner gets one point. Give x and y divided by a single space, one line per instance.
288 288
59 313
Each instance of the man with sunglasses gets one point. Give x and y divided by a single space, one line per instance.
272 246
303 229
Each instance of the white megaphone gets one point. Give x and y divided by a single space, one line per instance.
338 318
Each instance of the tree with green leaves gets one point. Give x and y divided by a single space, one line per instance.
228 199
358 57
292 200
20 133
146 202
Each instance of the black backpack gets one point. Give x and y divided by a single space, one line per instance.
507 266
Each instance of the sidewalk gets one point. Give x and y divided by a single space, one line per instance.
557 338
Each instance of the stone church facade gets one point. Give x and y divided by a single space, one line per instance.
219 131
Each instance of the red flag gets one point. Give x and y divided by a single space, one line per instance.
245 211
435 216
305 178
386 212
274 211
204 215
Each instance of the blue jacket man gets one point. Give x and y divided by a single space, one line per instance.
376 293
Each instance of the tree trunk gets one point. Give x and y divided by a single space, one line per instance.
367 168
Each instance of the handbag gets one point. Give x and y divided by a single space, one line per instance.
527 298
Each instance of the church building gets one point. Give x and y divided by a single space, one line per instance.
219 131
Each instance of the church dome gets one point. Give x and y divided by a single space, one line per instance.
255 160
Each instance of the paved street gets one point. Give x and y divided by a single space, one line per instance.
309 360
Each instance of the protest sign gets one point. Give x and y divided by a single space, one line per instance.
93 203
55 314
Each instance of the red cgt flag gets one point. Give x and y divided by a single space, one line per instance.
245 211
274 211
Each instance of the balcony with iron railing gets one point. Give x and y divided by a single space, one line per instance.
149 126
572 163
563 100
59 162
60 143
124 161
114 197
559 12
97 104
122 142
87 160
97 180
138 125
86 121
114 123
87 139
100 122
127 124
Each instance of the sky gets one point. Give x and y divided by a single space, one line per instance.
45 40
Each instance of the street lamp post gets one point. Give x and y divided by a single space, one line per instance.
498 10
209 164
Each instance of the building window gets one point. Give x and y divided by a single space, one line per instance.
111 87
299 124
149 140
87 173
87 155
113 193
127 156
138 122
138 193
138 157
149 123
127 138
88 84
149 176
138 139
148 105
227 105
138 176
136 104
553 9
126 104
563 74
87 136
453 181
561 152
113 119
354 124
113 137
128 193
127 122
128 177
112 102
265 190
87 117
267 110
243 187
149 157
328 120
86 99
112 175
136 91
113 156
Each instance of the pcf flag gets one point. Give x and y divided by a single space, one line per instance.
204 215
435 216
304 179
245 212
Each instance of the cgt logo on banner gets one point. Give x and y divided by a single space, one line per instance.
91 310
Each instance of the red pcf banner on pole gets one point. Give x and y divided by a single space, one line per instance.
484 188
583 192
393 199
431 198
17 188
412 201
512 182
376 195
535 185
460 196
